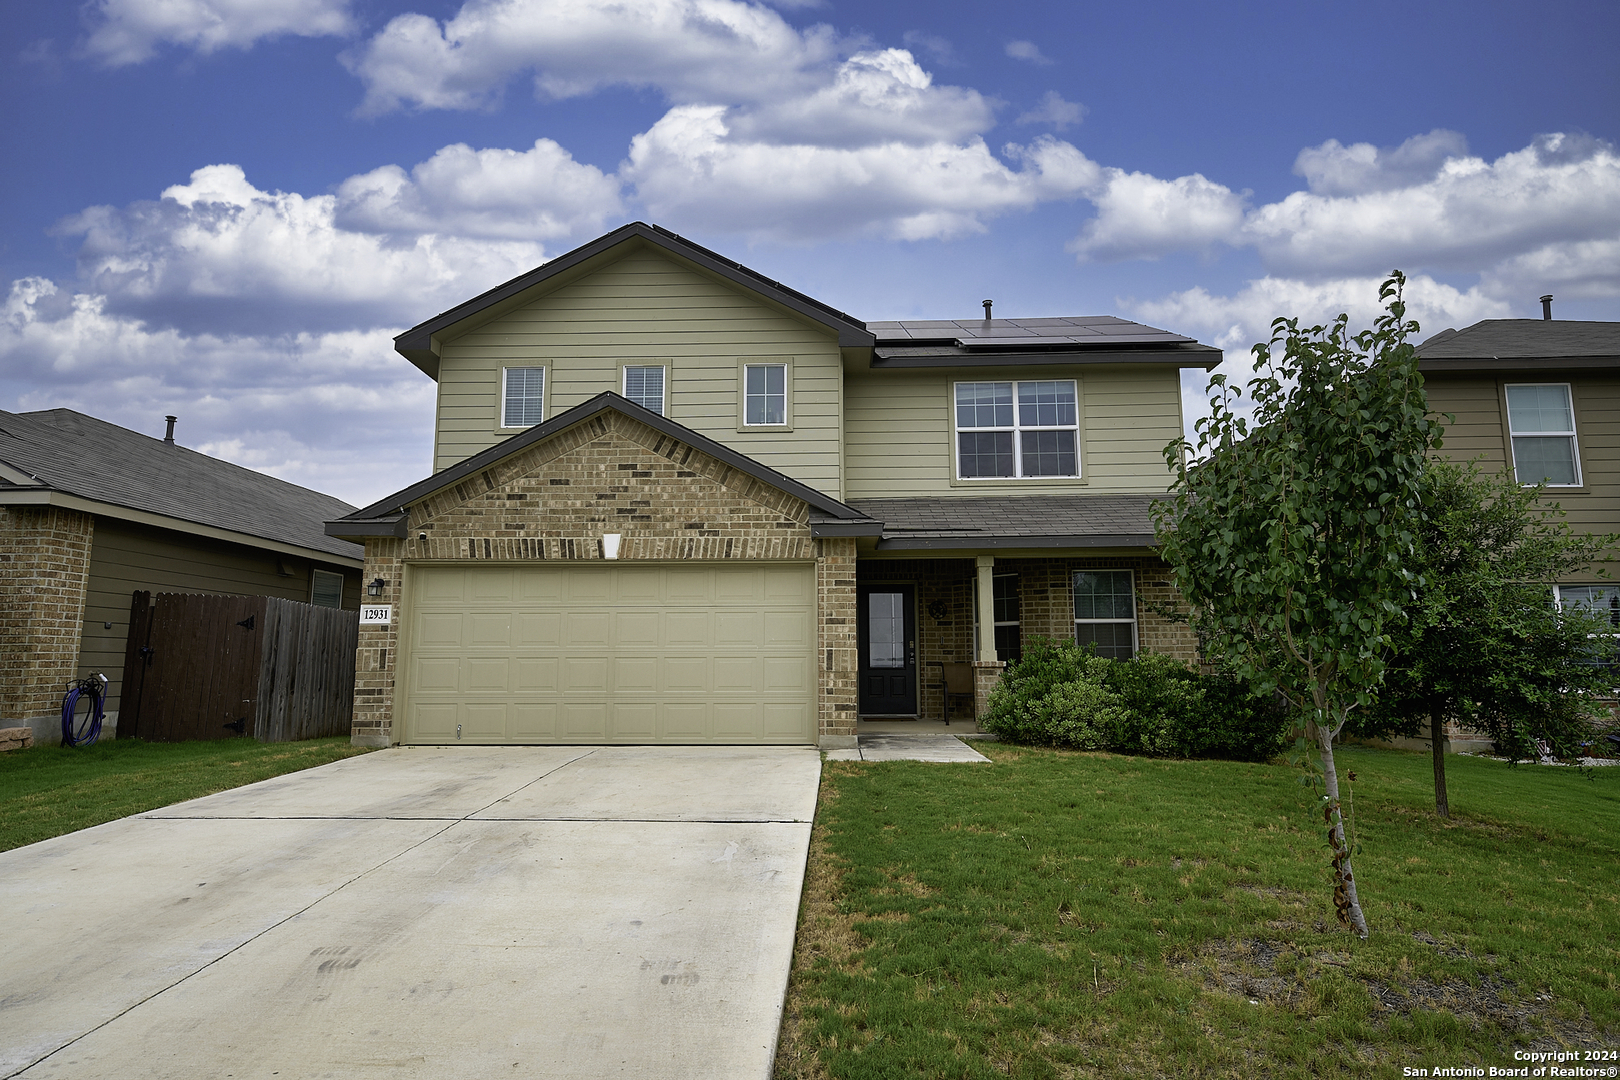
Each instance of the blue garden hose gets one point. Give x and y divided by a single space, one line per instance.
72 733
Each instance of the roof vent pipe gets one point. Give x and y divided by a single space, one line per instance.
168 436
1546 307
987 304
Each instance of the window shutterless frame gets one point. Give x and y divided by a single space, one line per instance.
1541 433
1105 612
1016 430
765 394
325 589
523 397
646 385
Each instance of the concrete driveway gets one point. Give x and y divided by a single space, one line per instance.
446 913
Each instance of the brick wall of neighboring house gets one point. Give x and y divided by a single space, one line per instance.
44 571
612 474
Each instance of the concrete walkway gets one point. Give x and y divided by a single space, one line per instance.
461 912
909 748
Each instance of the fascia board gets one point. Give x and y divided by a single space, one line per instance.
394 525
989 543
67 501
1527 364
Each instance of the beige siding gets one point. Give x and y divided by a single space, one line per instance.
127 557
647 308
898 431
1480 431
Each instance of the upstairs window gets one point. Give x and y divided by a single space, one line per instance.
1541 423
645 387
523 392
764 395
1105 612
1017 429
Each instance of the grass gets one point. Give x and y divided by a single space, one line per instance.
46 791
1063 914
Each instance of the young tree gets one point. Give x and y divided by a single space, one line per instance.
1291 537
1484 644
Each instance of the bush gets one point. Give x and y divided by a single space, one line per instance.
1060 694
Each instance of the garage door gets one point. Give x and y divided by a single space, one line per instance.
611 654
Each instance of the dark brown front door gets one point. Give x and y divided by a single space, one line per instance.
888 632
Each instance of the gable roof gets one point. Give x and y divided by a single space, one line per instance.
62 457
1075 339
416 344
1498 344
390 516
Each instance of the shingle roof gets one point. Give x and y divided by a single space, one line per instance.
1511 342
1013 521
80 455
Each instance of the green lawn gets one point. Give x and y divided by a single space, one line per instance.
46 791
1064 914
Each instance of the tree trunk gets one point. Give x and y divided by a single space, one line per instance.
1344 880
1437 741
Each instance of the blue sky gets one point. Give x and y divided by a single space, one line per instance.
225 209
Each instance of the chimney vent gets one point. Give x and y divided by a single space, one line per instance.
987 304
1546 307
168 436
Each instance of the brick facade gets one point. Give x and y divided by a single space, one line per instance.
553 502
44 573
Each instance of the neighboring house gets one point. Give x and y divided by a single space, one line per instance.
91 512
676 501
1542 397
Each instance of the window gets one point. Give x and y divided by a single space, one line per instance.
1541 422
1005 611
523 392
764 394
1017 429
1105 612
645 387
326 589
1597 599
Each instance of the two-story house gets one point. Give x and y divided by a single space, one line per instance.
674 501
1542 397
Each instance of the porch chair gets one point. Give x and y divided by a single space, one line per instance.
956 680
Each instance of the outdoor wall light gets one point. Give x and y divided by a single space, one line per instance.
376 587
610 545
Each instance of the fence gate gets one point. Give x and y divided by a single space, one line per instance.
213 667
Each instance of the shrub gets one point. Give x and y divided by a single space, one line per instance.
1060 694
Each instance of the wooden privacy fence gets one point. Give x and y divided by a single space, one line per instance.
212 667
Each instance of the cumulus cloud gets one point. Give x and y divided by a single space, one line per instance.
337 412
1055 112
693 51
688 166
1336 169
1143 217
536 194
1469 215
1026 50
219 254
130 31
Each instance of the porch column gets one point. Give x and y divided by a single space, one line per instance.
987 607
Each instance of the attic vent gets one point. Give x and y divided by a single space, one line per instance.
987 304
1546 307
168 436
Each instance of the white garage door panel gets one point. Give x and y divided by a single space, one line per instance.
635 654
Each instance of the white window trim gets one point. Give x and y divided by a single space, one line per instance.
1572 434
314 579
1136 641
1017 430
545 395
783 362
663 387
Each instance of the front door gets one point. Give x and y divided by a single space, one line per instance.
888 629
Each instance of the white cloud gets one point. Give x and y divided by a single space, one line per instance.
691 50
1470 215
130 31
1335 169
1055 111
1026 50
1142 217
688 166
536 194
338 412
219 254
